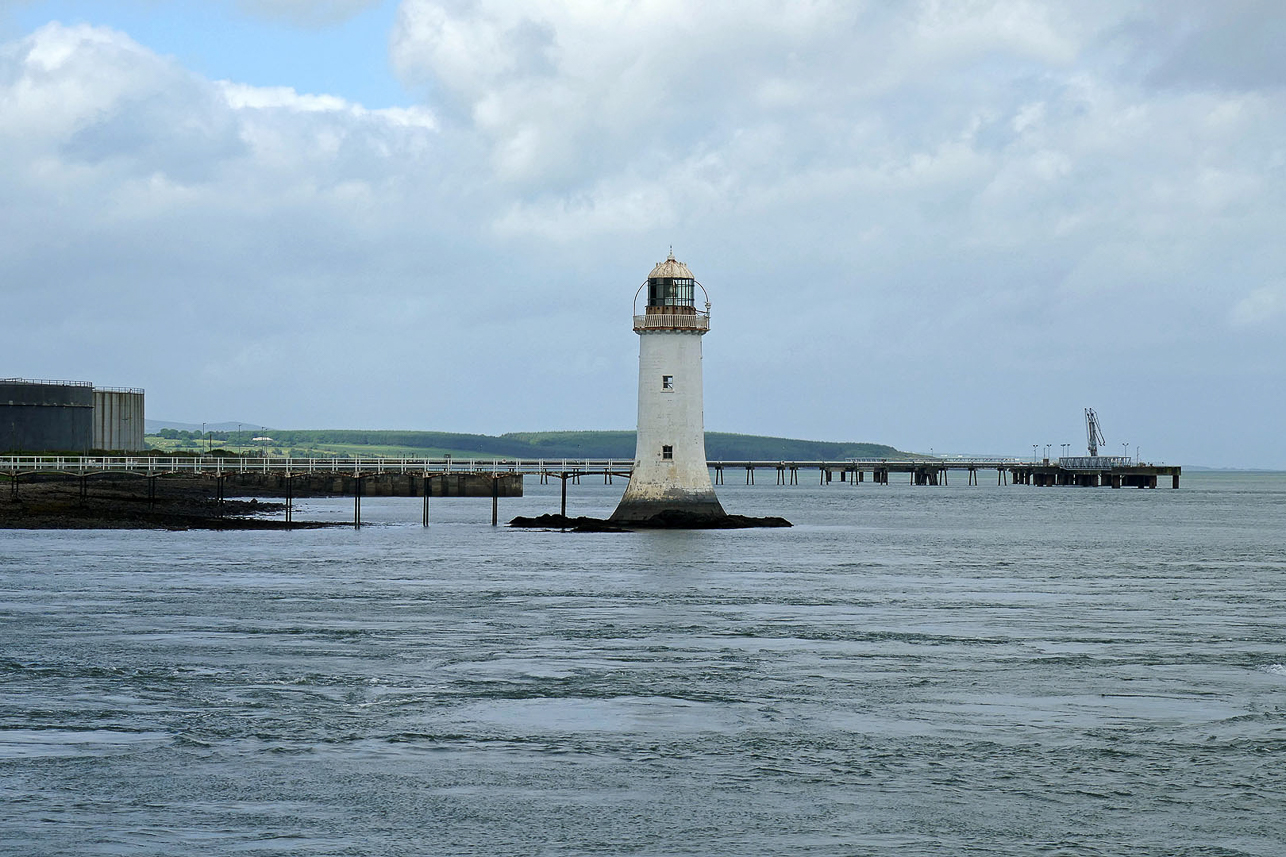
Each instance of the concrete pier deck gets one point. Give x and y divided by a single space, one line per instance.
1080 472
496 478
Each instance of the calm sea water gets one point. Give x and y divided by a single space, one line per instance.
946 670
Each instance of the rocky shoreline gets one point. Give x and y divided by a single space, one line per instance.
668 520
124 504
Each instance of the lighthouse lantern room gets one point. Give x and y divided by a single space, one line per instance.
670 472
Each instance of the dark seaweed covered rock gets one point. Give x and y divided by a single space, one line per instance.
180 503
670 519
674 519
562 522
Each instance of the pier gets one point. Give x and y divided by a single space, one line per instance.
496 478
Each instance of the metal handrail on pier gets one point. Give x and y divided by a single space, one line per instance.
1117 472
155 464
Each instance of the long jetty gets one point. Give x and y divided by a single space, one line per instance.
497 477
1112 471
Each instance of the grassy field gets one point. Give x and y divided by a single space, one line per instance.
323 443
314 450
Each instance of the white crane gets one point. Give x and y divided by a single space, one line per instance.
1094 430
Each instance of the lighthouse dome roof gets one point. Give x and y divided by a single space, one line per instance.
671 267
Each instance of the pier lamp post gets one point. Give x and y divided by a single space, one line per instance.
1047 446
1125 449
1034 447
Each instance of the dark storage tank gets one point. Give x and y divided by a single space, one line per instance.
46 416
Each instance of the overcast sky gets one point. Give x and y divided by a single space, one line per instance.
938 225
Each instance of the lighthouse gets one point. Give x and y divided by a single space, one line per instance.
670 475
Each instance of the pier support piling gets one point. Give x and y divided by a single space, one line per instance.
495 502
357 503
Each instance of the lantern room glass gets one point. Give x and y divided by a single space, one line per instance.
671 292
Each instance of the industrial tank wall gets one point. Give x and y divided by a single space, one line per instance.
46 416
118 420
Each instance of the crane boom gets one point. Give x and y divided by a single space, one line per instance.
1094 430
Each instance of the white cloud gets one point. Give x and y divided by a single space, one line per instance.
948 198
240 97
984 127
558 85
200 215
1016 159
1259 307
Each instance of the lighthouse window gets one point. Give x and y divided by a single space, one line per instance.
670 291
667 382
667 452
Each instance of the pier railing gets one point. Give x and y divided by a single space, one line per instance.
1117 472
153 464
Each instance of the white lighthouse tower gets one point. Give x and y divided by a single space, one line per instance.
670 473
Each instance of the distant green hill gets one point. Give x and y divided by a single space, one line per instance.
719 446
553 444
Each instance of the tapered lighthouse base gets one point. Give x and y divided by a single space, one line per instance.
638 508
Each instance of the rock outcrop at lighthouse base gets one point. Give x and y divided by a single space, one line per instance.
668 519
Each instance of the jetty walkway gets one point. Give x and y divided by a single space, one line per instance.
497 477
1113 471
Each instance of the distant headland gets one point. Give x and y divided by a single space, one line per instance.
321 443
